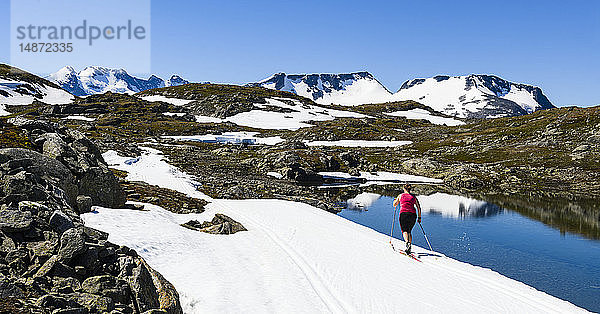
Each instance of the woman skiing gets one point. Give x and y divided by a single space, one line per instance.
408 214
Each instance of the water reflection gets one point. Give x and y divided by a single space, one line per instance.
362 201
455 206
447 205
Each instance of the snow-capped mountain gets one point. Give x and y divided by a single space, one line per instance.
176 80
471 96
474 96
18 87
98 80
346 89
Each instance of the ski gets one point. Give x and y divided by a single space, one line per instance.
411 255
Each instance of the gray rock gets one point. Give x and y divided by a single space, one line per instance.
94 235
84 204
72 244
168 298
15 220
142 287
88 259
62 270
155 311
60 222
108 286
42 167
8 245
103 187
66 285
55 301
94 303
8 289
54 146
47 267
220 224
78 310
43 249
33 207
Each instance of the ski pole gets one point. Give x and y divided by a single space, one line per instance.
425 237
393 220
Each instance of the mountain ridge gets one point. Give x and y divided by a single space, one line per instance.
468 96
96 80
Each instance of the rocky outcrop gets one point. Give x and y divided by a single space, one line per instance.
220 224
58 148
49 260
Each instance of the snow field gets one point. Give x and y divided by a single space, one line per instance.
294 120
50 95
426 115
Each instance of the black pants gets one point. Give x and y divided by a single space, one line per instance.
407 221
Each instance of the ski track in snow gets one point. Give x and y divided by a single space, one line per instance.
320 286
277 265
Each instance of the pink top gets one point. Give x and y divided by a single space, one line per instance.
407 203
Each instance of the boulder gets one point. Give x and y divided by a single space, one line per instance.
108 286
60 222
14 220
47 267
101 185
66 285
84 204
220 224
54 146
72 244
168 298
10 290
143 289
94 303
55 301
48 169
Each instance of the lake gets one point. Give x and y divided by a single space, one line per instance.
562 264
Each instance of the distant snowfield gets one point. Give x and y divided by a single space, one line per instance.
297 258
169 100
358 143
297 118
79 117
50 95
205 119
426 115
231 138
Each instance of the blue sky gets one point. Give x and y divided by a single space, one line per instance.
551 44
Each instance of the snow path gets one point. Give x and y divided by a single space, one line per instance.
297 258
170 100
425 115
